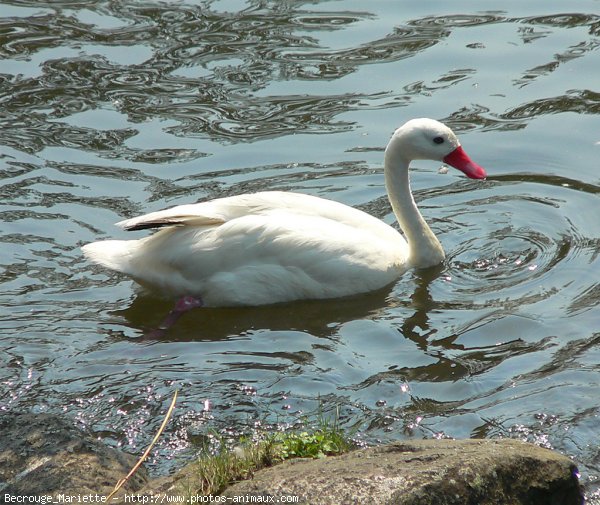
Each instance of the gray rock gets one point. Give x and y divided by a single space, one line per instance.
44 454
426 472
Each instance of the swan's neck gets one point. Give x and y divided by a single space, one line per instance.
425 248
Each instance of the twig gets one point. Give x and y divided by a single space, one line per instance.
122 482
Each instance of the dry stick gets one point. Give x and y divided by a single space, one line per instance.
122 482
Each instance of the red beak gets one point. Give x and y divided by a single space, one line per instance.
459 159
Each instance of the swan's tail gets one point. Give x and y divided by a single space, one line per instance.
112 254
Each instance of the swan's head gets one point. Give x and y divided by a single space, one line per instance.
428 139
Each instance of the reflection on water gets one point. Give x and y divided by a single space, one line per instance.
314 317
112 109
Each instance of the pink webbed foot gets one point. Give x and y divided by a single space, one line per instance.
187 303
182 306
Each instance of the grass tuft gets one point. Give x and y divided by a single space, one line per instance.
214 472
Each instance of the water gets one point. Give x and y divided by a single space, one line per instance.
112 109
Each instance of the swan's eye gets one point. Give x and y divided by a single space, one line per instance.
438 140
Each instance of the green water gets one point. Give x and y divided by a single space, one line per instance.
113 109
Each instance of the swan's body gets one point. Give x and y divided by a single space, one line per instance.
270 247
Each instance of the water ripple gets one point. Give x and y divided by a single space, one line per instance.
513 265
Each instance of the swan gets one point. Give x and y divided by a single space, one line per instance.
272 246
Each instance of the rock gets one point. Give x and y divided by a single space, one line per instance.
44 454
425 472
181 483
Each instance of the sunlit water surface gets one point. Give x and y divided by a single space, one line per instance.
112 109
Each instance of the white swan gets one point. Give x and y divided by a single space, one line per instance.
273 246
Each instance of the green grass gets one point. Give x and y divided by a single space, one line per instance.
325 441
211 474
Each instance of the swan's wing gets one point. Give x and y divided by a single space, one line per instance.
147 222
200 214
215 213
222 210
